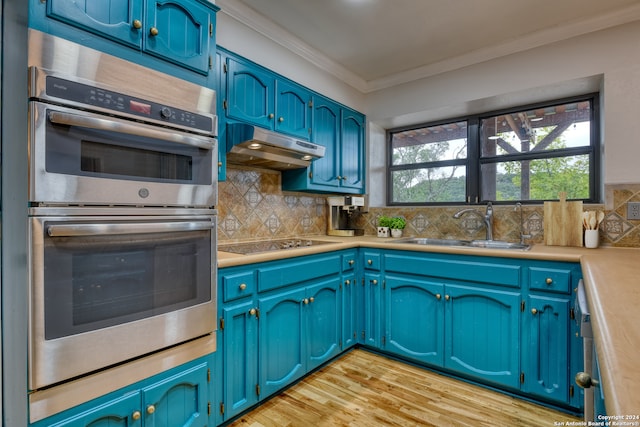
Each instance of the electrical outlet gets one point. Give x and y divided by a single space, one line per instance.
633 210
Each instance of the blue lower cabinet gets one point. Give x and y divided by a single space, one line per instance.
239 350
179 397
350 308
282 353
323 322
482 334
414 319
178 400
372 309
299 331
547 367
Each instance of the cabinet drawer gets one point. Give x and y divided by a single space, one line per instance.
372 261
297 271
348 261
238 285
550 279
497 272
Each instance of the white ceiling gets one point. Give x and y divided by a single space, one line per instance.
373 44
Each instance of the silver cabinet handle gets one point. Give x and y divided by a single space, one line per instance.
69 230
138 129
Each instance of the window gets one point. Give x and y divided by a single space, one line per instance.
527 154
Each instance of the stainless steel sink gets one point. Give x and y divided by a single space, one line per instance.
435 242
499 244
490 244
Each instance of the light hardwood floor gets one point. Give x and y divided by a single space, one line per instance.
362 389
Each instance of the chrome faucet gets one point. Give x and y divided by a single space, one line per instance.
522 235
488 218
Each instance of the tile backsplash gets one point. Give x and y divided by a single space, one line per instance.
253 206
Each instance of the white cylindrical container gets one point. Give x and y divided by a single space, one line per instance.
591 238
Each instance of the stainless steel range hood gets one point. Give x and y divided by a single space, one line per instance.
255 146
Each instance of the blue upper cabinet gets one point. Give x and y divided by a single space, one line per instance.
120 20
342 169
260 97
323 172
176 37
179 31
249 94
293 109
352 147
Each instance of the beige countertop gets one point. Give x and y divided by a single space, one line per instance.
611 277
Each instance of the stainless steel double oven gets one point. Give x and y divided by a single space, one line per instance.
122 219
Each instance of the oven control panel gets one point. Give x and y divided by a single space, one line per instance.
118 103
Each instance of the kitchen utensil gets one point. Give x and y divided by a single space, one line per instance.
563 222
600 218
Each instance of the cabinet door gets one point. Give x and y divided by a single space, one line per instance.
414 319
326 131
482 328
352 151
349 311
293 110
122 412
282 353
113 20
372 293
323 328
179 400
179 31
547 370
240 357
250 94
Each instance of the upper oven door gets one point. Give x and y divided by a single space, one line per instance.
79 157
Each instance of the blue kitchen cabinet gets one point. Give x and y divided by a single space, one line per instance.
352 152
482 333
293 109
178 397
257 96
322 322
457 313
342 169
548 368
159 34
551 334
239 350
221 94
250 93
299 330
372 295
371 299
279 320
119 21
350 299
414 319
282 353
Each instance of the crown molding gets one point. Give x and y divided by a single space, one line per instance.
249 17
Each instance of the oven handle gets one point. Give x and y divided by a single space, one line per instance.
75 230
138 129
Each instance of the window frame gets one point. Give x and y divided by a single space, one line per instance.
474 161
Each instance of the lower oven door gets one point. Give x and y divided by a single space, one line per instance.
105 290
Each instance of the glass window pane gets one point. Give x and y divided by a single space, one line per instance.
537 130
445 184
430 144
540 179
